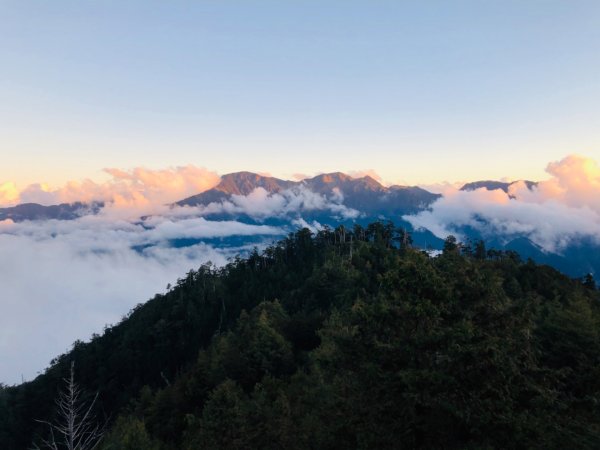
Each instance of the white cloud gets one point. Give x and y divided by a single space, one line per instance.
9 194
444 187
261 204
575 181
63 280
314 226
67 279
138 190
366 173
553 214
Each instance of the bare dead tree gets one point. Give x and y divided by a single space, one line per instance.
75 427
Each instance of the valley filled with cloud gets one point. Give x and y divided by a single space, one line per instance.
63 280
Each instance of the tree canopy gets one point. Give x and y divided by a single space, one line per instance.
343 339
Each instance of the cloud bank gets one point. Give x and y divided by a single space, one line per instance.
64 280
552 214
260 204
136 189
9 194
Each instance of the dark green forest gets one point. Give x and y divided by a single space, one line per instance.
343 339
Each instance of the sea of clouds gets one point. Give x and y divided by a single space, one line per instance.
64 280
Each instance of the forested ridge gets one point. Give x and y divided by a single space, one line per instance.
341 339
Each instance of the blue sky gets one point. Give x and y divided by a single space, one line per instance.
419 91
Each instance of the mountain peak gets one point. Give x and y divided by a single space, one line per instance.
370 183
328 181
237 183
329 178
243 183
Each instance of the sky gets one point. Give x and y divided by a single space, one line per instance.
420 92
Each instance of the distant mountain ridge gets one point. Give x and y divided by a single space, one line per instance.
364 193
35 211
329 199
492 185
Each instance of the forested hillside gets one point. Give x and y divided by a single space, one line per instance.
343 339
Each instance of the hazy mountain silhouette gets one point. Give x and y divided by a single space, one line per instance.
34 211
492 185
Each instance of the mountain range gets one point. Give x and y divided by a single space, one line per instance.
329 199
35 211
364 194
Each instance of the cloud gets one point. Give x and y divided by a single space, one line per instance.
365 173
300 176
575 181
138 189
9 194
314 226
293 201
265 174
68 278
201 228
443 187
553 214
260 204
63 280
